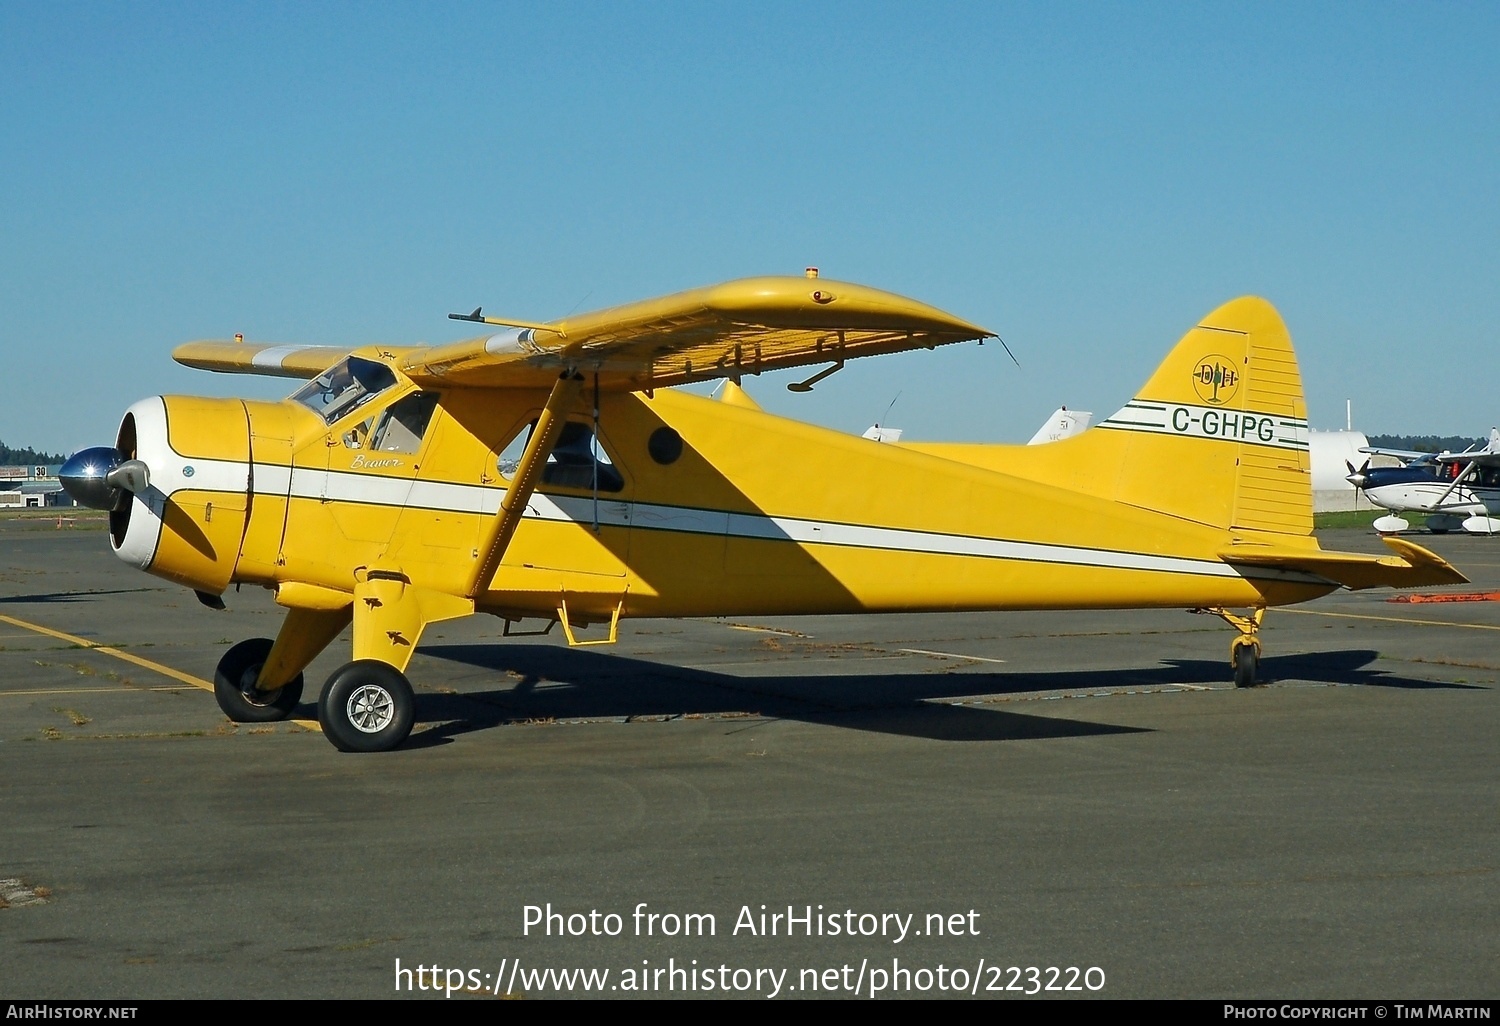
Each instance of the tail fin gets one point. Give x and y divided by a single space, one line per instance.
1064 423
1218 435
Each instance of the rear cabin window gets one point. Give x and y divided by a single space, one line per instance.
574 462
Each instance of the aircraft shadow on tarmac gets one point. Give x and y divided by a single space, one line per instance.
71 596
558 683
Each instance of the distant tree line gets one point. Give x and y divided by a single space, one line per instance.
1426 443
26 457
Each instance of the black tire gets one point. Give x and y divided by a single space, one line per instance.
367 706
1246 663
234 685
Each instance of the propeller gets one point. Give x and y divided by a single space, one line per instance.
1357 477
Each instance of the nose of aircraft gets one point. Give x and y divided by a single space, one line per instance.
1357 477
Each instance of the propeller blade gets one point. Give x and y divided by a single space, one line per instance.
132 475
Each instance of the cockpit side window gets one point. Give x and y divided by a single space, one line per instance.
576 461
345 387
402 426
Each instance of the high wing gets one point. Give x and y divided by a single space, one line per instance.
720 331
1489 456
1404 455
282 361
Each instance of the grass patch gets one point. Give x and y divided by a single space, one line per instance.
1348 518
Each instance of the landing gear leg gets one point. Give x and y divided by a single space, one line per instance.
1244 650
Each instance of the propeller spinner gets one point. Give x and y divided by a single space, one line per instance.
99 478
1357 477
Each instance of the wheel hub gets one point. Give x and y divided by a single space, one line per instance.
253 694
370 708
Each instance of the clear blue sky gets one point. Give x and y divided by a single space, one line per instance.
1088 180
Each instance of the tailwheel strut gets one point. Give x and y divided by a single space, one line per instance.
1244 650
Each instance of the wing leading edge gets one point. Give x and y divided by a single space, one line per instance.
282 361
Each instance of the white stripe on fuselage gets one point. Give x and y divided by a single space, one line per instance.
448 496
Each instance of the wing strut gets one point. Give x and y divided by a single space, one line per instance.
513 507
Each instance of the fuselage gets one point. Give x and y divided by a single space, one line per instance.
678 506
1427 487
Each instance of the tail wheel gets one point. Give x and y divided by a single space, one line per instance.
234 685
367 706
1246 658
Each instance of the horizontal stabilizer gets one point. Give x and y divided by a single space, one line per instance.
1411 567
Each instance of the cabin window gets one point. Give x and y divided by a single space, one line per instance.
345 387
576 461
664 445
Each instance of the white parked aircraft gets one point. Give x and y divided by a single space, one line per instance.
1064 423
1455 489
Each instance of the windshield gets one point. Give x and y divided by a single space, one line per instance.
346 387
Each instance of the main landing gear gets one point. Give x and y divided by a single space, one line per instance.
1244 650
366 706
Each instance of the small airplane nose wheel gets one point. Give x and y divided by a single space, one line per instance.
367 706
234 685
1245 655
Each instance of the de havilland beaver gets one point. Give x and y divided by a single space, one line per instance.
548 470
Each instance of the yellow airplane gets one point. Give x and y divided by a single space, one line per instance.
547 471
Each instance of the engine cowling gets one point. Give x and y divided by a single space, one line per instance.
177 485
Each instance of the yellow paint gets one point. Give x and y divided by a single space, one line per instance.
1195 495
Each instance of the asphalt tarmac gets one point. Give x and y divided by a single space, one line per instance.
1082 793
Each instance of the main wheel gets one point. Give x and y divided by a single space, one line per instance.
367 706
1246 662
234 685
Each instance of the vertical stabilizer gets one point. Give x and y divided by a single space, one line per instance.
1064 423
1218 435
